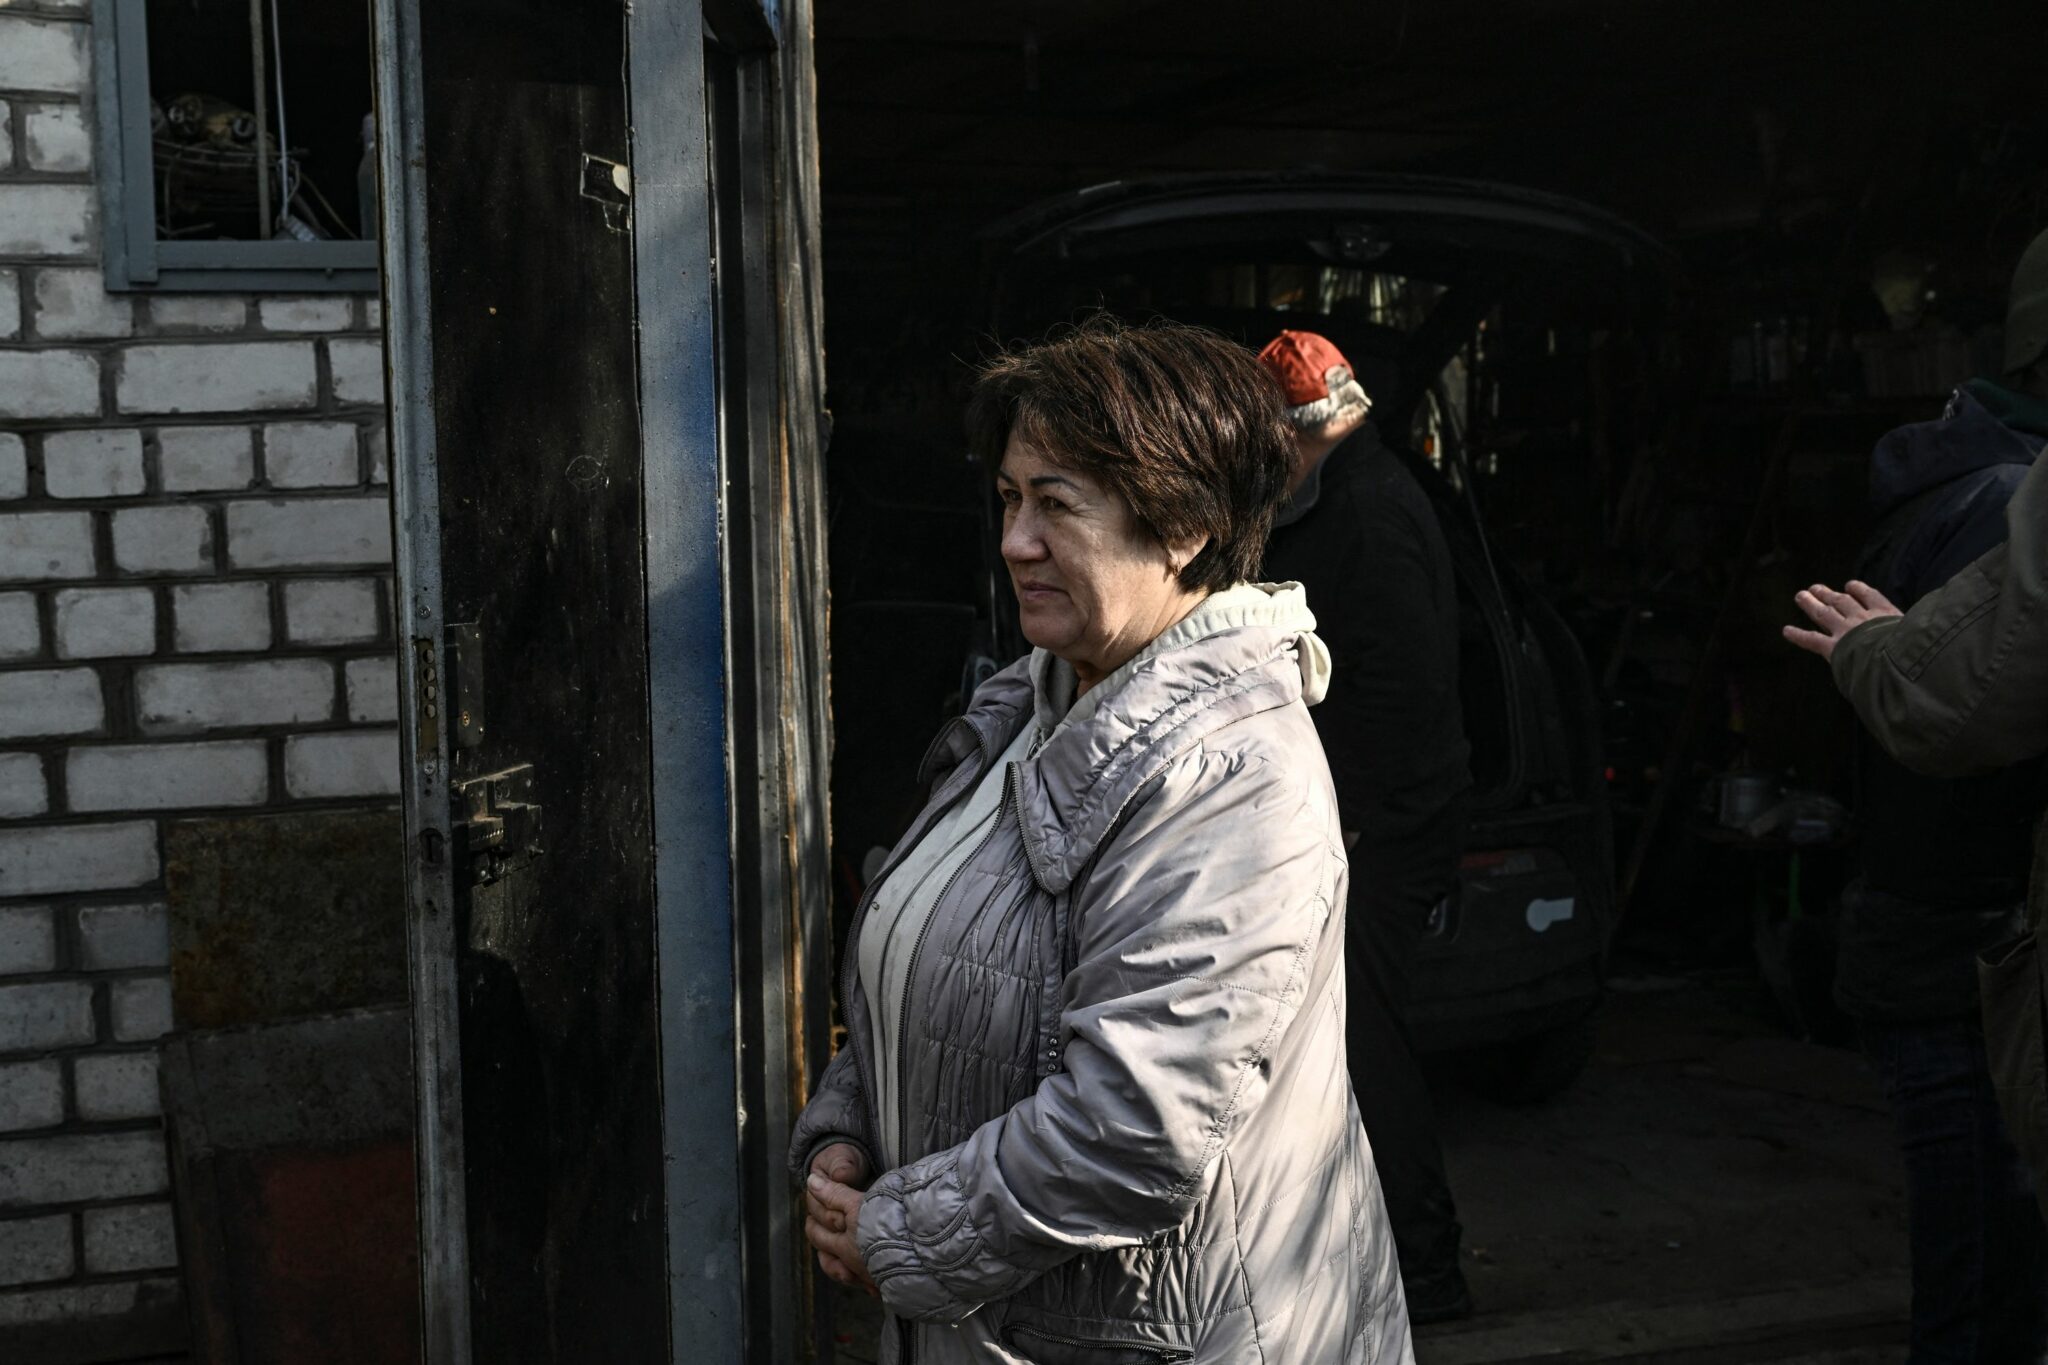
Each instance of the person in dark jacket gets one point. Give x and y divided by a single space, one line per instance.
1942 876
1359 534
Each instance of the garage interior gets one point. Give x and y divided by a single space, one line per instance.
1837 194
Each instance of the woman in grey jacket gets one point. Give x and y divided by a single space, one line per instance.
1093 1106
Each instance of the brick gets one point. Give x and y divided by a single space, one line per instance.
187 698
21 629
6 132
74 1310
167 776
114 938
45 1014
373 313
31 1095
42 54
47 220
43 545
358 371
206 459
74 1167
35 1250
36 384
354 763
116 1085
309 532
141 1008
10 300
379 443
331 611
310 455
327 313
220 617
105 623
225 377
75 303
198 313
372 688
93 464
54 701
28 939
13 466
57 137
24 792
130 1237
37 861
163 540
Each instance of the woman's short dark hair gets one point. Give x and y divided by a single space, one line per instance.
1185 425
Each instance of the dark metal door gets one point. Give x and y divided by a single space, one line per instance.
608 1020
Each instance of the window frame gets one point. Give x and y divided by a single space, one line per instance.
134 259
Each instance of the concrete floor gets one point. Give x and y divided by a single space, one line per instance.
1710 1192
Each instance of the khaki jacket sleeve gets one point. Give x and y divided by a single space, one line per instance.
1197 931
1959 684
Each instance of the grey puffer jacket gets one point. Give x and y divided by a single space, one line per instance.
1128 1131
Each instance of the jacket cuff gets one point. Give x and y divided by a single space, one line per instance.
903 1264
800 1159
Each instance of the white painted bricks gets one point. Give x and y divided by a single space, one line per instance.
21 630
57 138
188 698
168 776
141 1009
349 763
309 533
36 861
206 459
224 377
44 702
28 939
44 384
114 938
175 539
48 220
105 623
93 464
33 1250
45 545
327 313
75 303
331 611
198 313
116 1085
357 368
40 54
24 791
220 617
31 1096
372 688
129 1237
45 1014
13 464
311 455
75 1167
10 292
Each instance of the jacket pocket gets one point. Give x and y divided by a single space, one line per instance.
2010 981
1042 1346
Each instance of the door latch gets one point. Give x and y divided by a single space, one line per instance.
496 823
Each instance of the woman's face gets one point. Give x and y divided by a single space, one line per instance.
1093 586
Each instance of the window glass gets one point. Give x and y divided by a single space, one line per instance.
259 120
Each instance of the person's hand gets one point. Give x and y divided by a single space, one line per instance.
843 1162
1836 613
831 1215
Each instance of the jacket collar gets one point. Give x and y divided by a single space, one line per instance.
1071 793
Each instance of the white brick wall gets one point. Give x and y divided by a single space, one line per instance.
194 571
